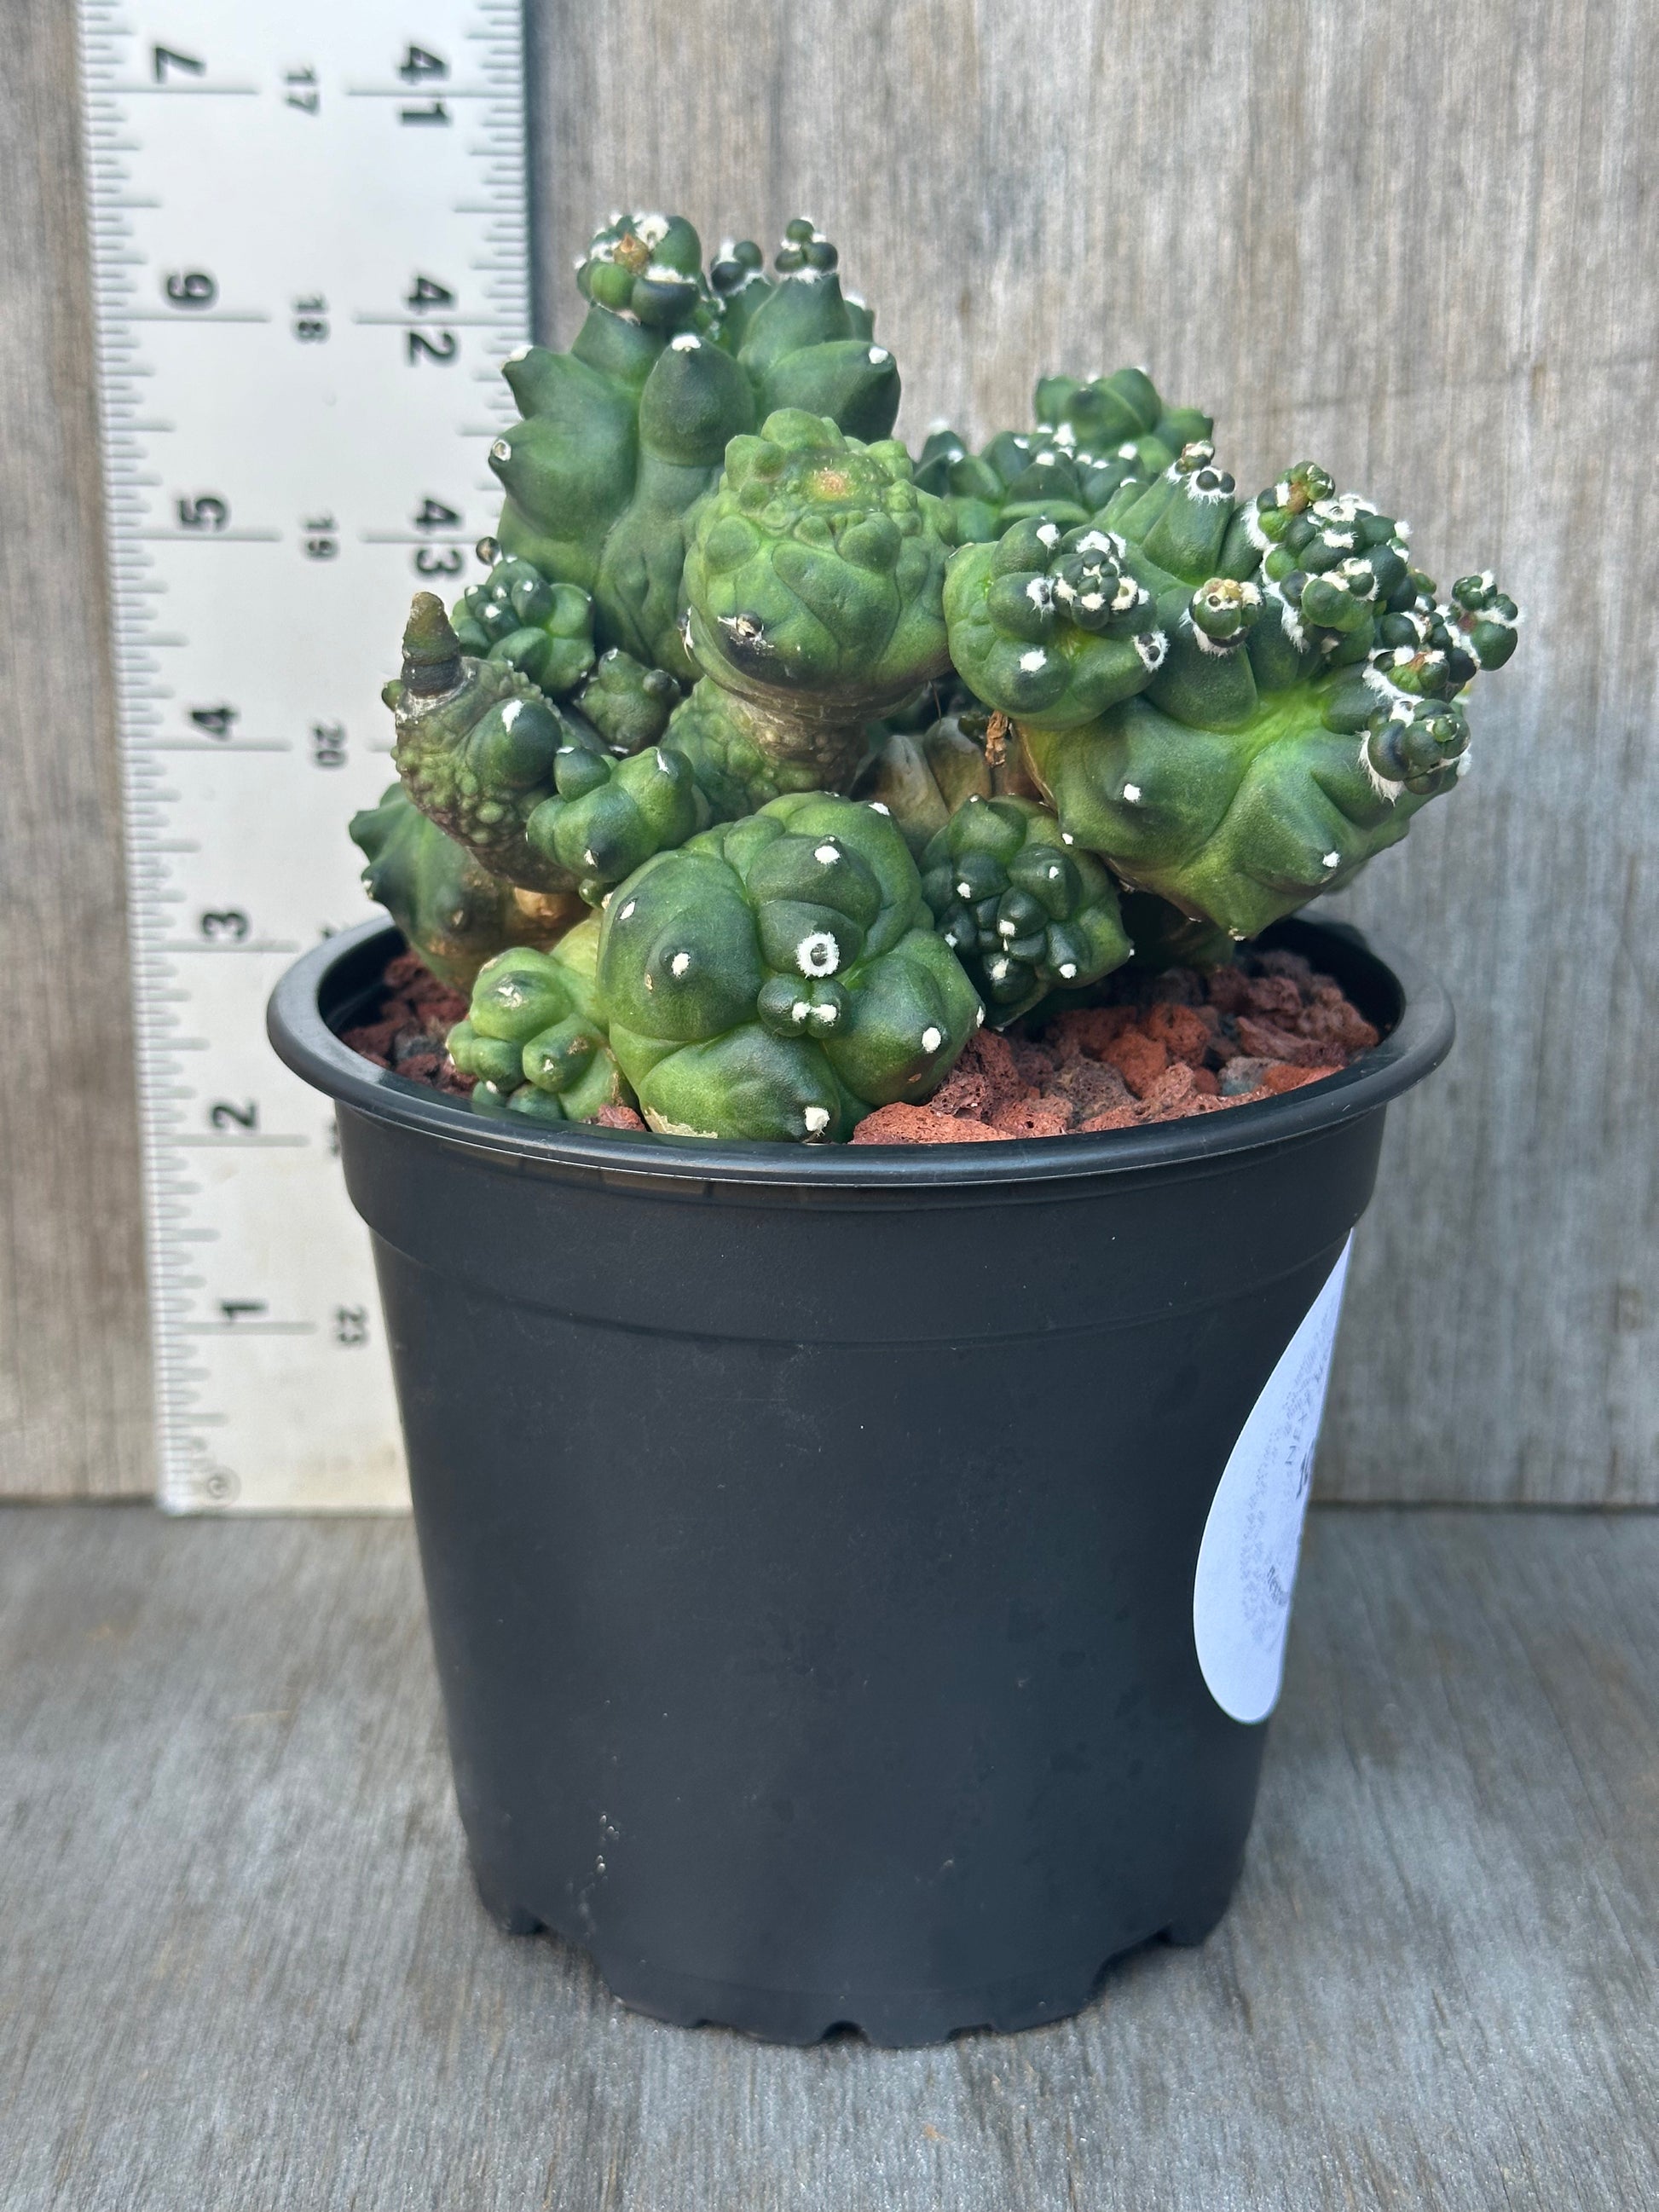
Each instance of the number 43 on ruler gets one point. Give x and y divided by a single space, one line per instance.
310 257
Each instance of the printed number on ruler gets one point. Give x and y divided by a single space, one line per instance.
310 258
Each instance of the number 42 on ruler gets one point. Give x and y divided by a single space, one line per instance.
310 260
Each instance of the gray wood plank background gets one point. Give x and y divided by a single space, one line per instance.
244 1967
74 1405
1409 245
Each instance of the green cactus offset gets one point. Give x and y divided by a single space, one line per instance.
780 977
1089 704
453 912
534 1035
1022 908
1090 438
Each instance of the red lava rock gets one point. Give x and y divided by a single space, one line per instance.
1242 1074
1341 1025
1279 1078
619 1117
1205 1080
375 1039
1171 1091
990 1056
416 1014
1033 1062
1137 1059
1274 994
1039 1117
1267 1041
1089 1029
1115 1117
964 1092
919 1124
1229 990
1319 1024
1295 965
1090 1085
1179 1030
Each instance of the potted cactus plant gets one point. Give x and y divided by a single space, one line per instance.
861 1216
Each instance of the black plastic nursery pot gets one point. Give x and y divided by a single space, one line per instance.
859 1575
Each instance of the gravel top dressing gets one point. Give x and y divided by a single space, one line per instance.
1159 1048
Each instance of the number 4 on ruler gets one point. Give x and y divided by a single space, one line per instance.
291 446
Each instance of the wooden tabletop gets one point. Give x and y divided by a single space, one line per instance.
242 1966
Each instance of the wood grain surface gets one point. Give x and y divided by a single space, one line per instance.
1410 245
243 1965
75 1403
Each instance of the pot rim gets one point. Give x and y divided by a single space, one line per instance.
1418 1039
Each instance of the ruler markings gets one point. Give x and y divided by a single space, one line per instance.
304 456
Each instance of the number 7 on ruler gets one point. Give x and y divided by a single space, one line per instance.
310 258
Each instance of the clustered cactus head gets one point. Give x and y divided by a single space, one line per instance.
476 747
605 817
1090 438
1296 703
1024 911
629 705
545 630
816 570
444 901
533 1034
622 433
780 977
850 752
649 269
801 341
1052 627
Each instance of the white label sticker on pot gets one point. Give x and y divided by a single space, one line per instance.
1247 1562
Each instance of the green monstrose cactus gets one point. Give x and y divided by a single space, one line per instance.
530 788
544 631
855 752
780 977
1091 438
453 913
622 434
476 747
1236 705
814 582
1024 911
534 1035
627 704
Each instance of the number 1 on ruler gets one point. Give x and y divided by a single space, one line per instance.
310 260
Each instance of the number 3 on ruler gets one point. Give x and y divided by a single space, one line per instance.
272 423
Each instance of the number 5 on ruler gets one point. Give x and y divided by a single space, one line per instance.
268 407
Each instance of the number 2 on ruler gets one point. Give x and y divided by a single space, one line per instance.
290 446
